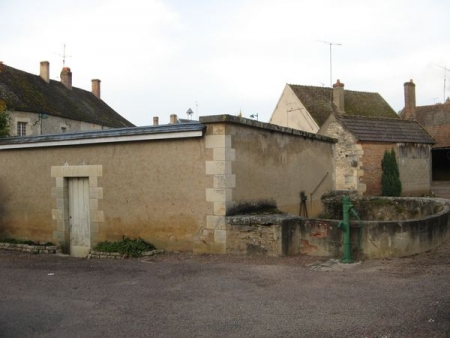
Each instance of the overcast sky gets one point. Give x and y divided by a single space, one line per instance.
160 57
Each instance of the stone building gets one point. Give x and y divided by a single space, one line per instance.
38 105
362 142
436 120
365 126
172 185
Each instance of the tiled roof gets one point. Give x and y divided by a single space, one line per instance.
318 102
436 119
433 115
22 91
376 129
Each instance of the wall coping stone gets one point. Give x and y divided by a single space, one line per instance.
263 125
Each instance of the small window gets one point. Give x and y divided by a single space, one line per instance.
21 128
63 130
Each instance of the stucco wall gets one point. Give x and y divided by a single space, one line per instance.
175 193
154 190
47 124
274 165
291 113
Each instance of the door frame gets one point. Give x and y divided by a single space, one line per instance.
60 192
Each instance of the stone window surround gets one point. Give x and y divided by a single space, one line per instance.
60 192
26 120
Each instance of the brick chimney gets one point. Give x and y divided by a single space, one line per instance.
338 96
45 71
96 87
155 120
173 119
410 101
66 77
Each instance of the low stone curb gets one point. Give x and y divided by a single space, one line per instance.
116 255
34 249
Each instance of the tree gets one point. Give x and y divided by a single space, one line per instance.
4 120
390 179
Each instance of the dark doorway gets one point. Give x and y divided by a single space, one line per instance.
441 164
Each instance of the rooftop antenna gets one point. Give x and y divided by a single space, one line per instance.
331 58
445 78
64 55
196 109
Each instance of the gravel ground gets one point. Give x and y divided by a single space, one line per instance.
183 295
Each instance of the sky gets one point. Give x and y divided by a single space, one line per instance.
162 57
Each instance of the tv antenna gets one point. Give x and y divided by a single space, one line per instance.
64 55
445 78
331 58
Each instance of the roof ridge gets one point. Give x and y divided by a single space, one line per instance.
345 90
363 117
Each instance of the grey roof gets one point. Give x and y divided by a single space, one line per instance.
102 134
22 91
375 129
318 102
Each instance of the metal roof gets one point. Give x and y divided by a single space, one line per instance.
106 136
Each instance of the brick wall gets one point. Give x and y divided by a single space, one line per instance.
371 164
414 166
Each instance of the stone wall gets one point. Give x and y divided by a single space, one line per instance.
270 235
38 124
281 235
33 249
348 155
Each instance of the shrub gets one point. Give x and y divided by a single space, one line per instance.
4 120
128 247
390 179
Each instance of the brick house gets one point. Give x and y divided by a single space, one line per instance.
365 126
436 121
38 105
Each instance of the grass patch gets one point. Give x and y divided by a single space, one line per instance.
28 242
127 246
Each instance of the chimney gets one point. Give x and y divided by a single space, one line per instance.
45 71
155 120
1 66
66 77
96 87
173 119
338 96
410 101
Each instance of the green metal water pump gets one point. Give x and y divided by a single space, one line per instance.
347 207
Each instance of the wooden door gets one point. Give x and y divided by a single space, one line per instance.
80 239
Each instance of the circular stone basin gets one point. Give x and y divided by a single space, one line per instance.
383 208
388 226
